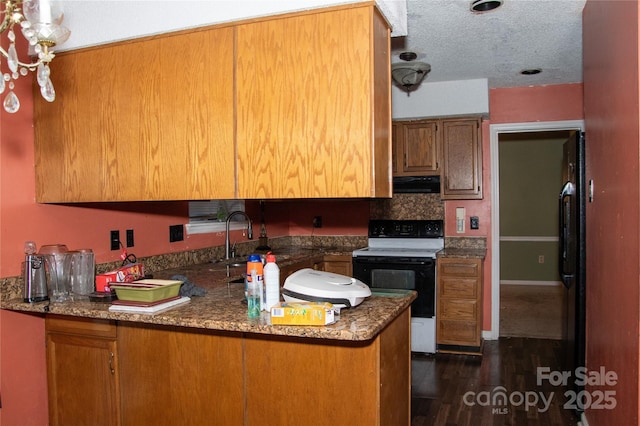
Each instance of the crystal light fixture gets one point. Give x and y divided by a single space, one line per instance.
39 21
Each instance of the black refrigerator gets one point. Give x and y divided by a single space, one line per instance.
573 252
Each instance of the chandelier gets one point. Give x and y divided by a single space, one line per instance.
39 22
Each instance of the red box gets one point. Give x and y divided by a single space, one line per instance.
126 274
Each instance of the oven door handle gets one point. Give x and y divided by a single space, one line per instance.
384 260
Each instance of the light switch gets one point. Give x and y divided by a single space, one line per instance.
474 222
460 219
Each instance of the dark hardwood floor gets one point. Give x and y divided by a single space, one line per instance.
460 389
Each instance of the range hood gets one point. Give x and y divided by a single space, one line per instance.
416 184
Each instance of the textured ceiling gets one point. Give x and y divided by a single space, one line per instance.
496 45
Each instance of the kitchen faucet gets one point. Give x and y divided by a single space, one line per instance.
226 237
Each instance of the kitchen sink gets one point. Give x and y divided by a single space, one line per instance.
232 263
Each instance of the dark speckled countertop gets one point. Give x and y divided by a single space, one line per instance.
462 252
222 308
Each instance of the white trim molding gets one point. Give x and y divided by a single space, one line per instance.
531 282
494 131
530 239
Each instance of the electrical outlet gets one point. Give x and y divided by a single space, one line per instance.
129 237
176 233
114 240
474 222
317 221
541 258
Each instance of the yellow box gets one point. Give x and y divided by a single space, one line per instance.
303 313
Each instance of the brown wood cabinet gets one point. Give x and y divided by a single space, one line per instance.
272 110
314 105
285 271
417 148
175 375
82 372
459 311
338 264
150 119
449 147
462 159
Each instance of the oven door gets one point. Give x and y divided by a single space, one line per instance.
408 273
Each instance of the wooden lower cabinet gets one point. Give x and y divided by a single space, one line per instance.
459 311
285 271
338 264
82 372
175 375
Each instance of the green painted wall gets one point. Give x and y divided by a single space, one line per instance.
530 181
519 261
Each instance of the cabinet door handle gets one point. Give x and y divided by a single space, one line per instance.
111 363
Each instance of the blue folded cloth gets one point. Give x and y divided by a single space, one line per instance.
188 288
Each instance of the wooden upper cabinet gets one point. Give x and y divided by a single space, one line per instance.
417 148
150 119
462 155
313 105
295 106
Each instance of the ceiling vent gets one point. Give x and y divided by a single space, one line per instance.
480 6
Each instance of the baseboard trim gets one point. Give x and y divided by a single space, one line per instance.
488 335
530 282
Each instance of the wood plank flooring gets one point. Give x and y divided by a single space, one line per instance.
442 383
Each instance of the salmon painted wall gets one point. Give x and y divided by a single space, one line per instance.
611 87
339 217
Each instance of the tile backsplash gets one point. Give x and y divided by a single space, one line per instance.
408 207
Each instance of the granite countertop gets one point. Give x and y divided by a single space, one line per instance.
224 309
462 252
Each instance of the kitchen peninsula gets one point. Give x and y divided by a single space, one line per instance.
205 362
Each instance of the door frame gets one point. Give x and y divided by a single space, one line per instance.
494 131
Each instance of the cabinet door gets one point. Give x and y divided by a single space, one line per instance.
179 376
313 106
462 168
150 119
82 373
342 265
285 271
418 148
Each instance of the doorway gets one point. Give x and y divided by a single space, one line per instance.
496 132
532 297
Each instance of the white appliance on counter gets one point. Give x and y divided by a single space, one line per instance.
402 255
309 285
